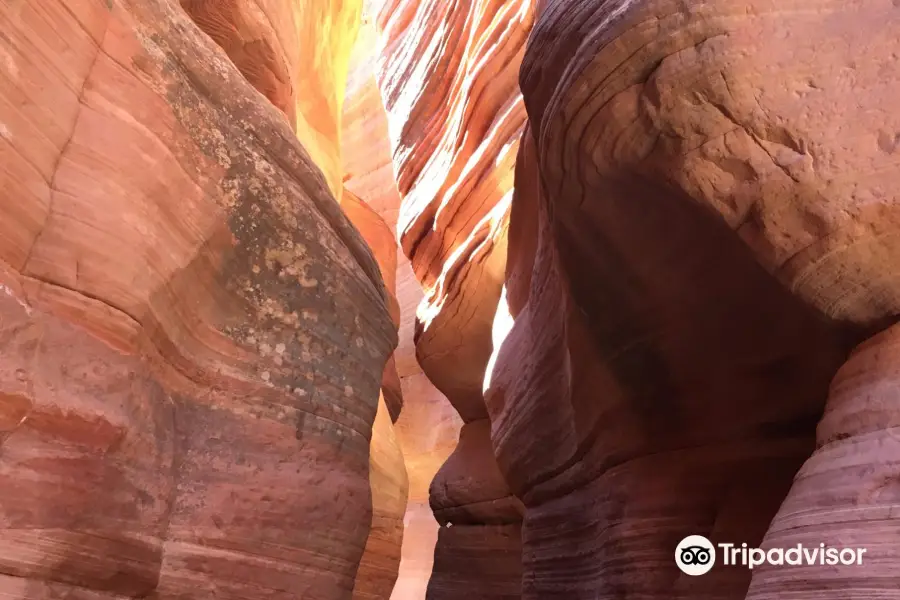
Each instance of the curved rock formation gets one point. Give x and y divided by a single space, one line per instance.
380 563
297 55
366 154
193 334
370 195
704 223
427 431
384 246
846 494
448 78
682 321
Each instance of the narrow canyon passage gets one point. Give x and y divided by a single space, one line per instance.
449 300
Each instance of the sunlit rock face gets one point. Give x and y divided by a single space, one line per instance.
427 427
366 151
193 334
297 55
231 25
383 244
448 76
704 226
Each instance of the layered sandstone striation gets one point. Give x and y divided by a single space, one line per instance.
388 480
193 334
428 427
704 225
658 288
846 493
448 77
381 240
253 36
370 195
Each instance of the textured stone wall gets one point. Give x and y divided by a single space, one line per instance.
448 76
193 334
703 228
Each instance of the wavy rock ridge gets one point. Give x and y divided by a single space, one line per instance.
427 428
447 74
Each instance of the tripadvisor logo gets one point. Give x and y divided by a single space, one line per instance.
696 555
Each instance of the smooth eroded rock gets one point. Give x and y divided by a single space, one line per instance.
193 333
702 232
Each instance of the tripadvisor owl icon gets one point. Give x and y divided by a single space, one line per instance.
695 555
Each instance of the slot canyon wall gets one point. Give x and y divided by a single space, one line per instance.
704 227
193 333
640 257
448 77
702 238
428 426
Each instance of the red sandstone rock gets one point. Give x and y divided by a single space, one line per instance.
846 494
428 427
448 78
477 562
388 479
463 495
380 563
366 148
384 246
427 430
704 224
369 192
710 191
297 55
193 335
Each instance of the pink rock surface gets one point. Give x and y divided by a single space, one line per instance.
420 533
477 562
193 333
370 196
702 229
427 431
448 78
380 563
381 240
297 55
447 74
428 426
846 494
670 310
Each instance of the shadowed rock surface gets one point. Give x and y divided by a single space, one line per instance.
704 226
848 490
